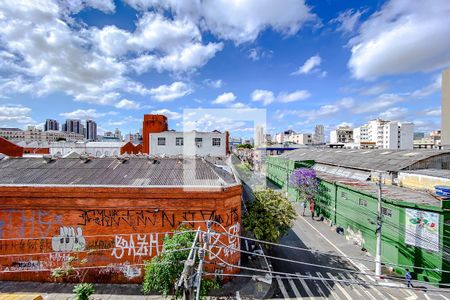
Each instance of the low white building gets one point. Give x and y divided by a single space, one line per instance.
188 143
33 134
341 135
97 149
300 138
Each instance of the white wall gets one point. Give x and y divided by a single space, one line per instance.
92 148
189 148
333 137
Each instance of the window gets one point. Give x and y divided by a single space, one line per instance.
344 195
362 202
198 142
216 141
386 212
179 141
161 141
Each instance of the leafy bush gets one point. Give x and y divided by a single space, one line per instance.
162 271
270 215
83 291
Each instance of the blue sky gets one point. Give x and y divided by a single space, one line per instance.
305 62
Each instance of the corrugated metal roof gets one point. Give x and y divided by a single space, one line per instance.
363 159
391 192
136 171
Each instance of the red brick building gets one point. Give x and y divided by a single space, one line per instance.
113 212
10 149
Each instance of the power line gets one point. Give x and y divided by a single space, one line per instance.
310 277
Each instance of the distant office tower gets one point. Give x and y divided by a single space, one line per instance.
259 135
319 135
51 124
445 114
91 130
72 125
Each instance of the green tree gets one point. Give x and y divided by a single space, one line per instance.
163 271
244 146
270 215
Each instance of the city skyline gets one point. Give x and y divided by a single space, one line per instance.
280 61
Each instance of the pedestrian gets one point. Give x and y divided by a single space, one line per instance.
408 278
311 208
304 203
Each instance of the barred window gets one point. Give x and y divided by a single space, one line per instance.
179 141
216 141
161 141
386 212
363 202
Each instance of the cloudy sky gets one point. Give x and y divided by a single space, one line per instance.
306 62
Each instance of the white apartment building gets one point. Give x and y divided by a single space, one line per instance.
300 138
282 137
383 134
12 134
341 135
259 135
319 135
188 143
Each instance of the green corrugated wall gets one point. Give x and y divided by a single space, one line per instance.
356 211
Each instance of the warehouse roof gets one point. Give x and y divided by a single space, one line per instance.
391 192
364 159
118 172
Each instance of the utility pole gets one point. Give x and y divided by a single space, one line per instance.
378 230
186 280
201 256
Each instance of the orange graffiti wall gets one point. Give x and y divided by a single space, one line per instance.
114 229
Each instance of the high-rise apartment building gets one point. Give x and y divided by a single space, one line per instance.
91 130
319 135
259 135
445 117
384 134
73 125
51 124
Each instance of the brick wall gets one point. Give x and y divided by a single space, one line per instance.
117 228
130 148
10 149
152 124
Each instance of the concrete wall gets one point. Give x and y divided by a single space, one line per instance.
419 181
189 148
116 229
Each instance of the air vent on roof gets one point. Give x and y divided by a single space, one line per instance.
48 158
123 159
85 158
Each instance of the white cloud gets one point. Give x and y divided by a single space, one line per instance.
402 37
294 96
267 97
311 65
188 59
378 104
239 21
347 20
433 112
225 98
394 114
430 89
216 84
257 53
127 104
85 114
165 93
374 90
171 115
11 114
264 96
75 6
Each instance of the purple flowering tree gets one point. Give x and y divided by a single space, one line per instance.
305 182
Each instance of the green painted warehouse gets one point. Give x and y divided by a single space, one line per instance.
416 225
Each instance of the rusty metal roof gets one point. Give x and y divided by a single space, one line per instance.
364 159
391 192
132 171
